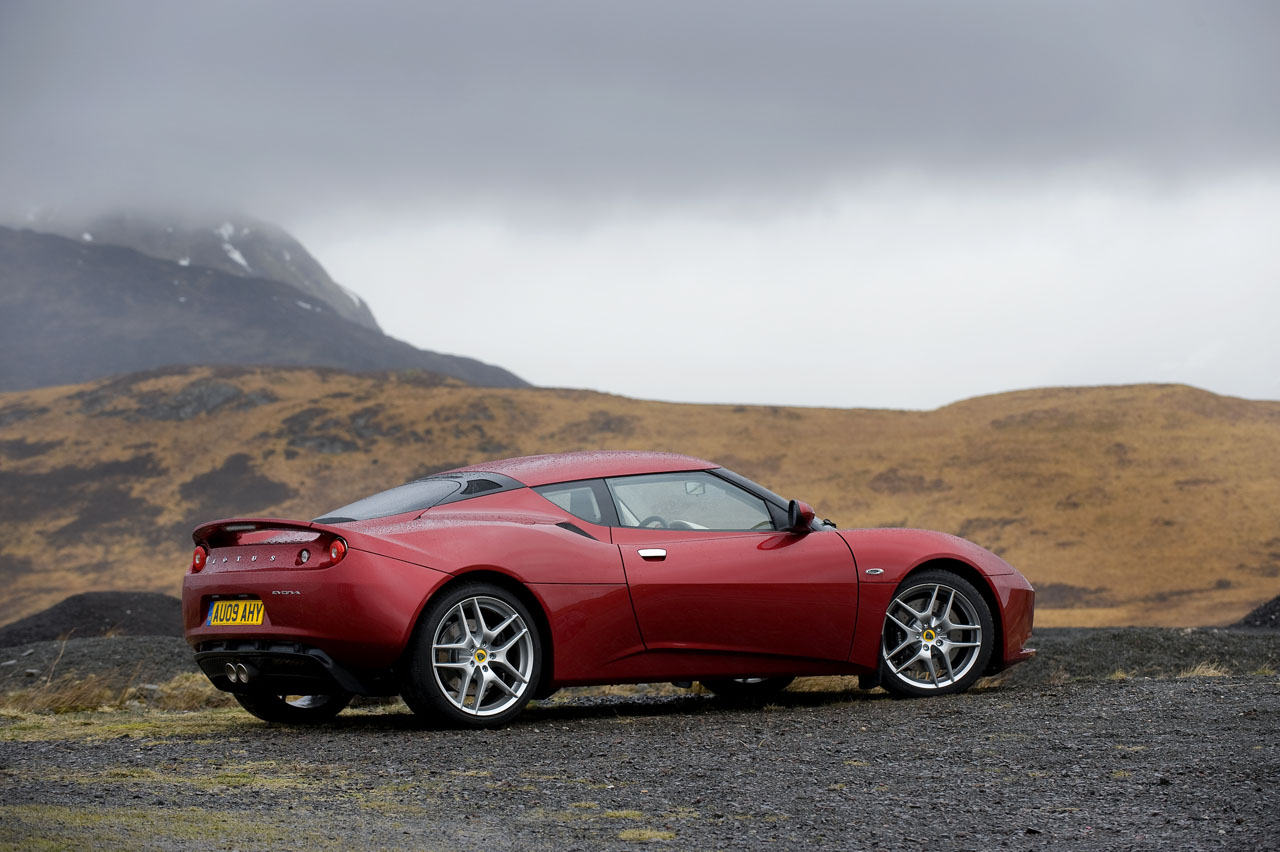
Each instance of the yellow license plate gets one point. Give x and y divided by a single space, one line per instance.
235 612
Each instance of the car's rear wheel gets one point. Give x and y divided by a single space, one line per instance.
748 688
476 657
293 709
938 636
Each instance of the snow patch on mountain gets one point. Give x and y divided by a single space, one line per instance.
234 254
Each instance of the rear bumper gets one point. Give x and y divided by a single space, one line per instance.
286 668
359 613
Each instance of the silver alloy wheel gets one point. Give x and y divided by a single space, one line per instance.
932 636
482 656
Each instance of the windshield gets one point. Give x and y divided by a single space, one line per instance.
756 488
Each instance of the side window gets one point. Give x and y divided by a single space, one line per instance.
576 498
695 500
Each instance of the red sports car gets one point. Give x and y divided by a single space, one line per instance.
472 591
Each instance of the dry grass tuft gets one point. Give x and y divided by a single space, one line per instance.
1205 669
189 691
1058 677
622 689
66 695
646 834
995 681
836 684
1119 674
72 695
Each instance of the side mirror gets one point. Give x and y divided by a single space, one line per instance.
799 516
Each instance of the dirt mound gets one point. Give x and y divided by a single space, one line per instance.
1267 615
118 663
99 614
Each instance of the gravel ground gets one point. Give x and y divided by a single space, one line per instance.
1138 764
1055 757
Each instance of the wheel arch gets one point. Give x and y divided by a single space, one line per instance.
980 582
515 587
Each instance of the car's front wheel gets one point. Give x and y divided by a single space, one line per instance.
293 709
476 657
938 636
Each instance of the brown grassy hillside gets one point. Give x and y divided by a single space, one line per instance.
1152 505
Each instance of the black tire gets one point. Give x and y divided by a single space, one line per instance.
461 668
748 689
938 636
293 709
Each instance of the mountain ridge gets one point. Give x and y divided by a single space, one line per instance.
233 244
78 311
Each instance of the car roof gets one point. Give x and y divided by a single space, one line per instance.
566 467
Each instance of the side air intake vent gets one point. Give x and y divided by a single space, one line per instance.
574 528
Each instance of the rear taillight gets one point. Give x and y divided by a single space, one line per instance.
330 555
198 558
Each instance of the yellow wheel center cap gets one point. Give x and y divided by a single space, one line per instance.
929 636
482 655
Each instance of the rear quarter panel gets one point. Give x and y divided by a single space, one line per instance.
578 580
362 612
512 532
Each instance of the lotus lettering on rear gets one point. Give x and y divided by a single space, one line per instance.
285 592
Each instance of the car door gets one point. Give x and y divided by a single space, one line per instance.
708 571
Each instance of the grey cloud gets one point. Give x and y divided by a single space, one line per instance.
285 106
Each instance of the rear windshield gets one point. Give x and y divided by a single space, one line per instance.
414 497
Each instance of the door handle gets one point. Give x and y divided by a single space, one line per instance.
654 554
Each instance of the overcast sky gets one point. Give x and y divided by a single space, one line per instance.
815 203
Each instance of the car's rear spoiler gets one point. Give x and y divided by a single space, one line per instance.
232 531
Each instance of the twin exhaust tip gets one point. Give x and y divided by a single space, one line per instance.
238 672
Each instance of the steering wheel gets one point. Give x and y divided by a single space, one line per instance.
763 525
662 522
